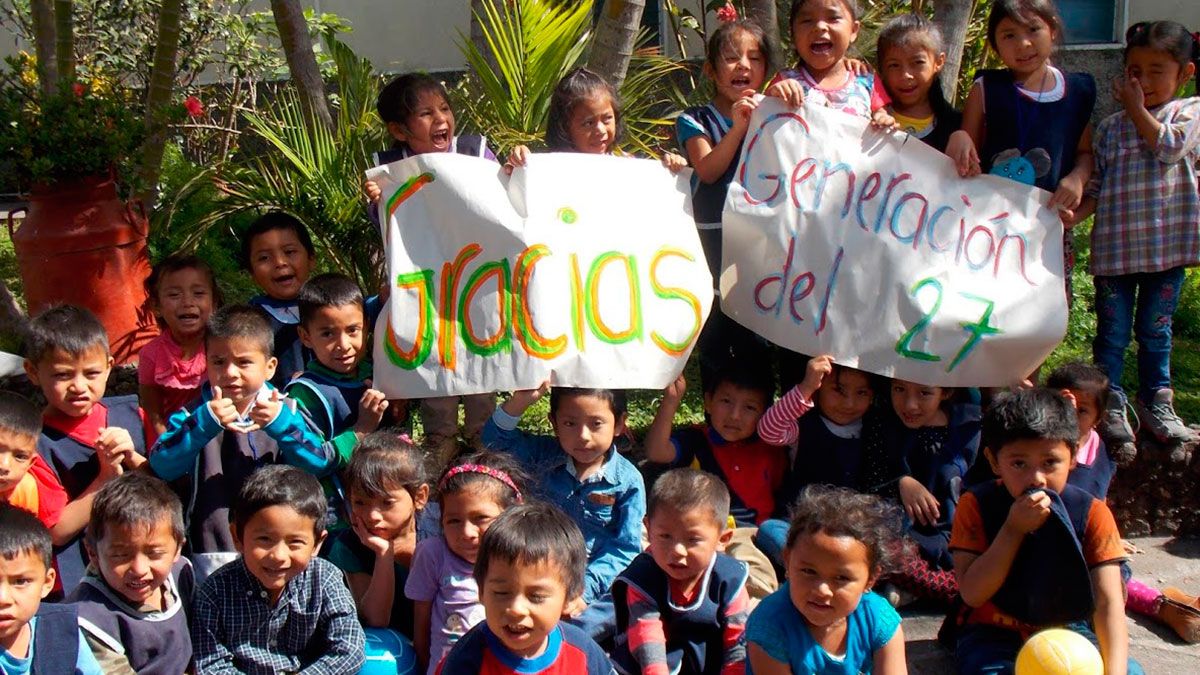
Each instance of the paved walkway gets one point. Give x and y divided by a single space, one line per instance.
1166 562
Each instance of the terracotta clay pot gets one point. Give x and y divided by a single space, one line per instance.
79 244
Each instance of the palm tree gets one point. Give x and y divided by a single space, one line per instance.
42 14
616 35
765 14
64 39
159 91
302 62
952 17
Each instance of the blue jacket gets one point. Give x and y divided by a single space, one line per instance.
608 507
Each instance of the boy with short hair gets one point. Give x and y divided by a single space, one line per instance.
334 388
727 445
278 608
530 564
581 472
1030 550
43 639
26 481
682 604
88 439
278 253
239 423
133 601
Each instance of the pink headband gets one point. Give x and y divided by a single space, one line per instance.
485 470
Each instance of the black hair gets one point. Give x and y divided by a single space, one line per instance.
382 462
722 39
19 416
1170 37
398 99
534 533
688 489
279 485
743 375
503 493
134 499
177 262
842 512
1083 377
911 29
1020 12
328 290
615 398
244 322
269 222
798 5
21 533
64 328
1029 414
578 85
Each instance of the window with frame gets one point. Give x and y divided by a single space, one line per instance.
1089 21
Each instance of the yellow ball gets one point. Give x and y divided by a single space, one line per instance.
1058 651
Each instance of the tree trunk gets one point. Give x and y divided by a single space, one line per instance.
42 13
763 12
613 44
159 91
952 17
302 62
64 42
477 37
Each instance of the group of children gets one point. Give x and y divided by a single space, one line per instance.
246 513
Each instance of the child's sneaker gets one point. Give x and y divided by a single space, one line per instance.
1183 617
1115 430
1159 416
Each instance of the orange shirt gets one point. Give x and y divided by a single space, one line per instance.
40 493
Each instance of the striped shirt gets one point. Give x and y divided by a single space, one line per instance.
1147 201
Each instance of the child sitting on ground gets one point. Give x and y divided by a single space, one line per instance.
239 423
278 253
530 565
1094 469
825 619
37 638
133 603
471 494
28 482
1030 550
728 445
88 439
682 604
385 482
278 608
581 472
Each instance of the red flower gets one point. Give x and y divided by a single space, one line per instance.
727 13
78 89
193 106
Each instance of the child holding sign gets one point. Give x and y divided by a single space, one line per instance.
910 57
417 112
1147 205
738 61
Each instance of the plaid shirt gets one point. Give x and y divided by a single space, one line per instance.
1148 206
313 628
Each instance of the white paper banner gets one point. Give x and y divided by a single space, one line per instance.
845 240
579 268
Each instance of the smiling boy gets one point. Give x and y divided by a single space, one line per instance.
278 608
530 564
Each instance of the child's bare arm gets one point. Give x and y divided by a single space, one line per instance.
711 161
1070 189
889 659
150 398
764 664
657 443
519 402
980 576
1109 618
422 620
963 146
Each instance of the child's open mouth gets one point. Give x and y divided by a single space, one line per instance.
440 138
821 48
740 82
517 631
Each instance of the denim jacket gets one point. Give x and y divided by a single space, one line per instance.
608 507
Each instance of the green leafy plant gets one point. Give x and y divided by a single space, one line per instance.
85 129
309 171
530 46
